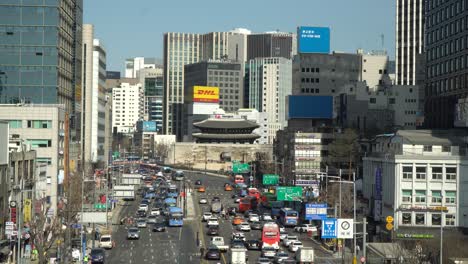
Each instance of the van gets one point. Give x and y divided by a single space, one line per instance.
106 242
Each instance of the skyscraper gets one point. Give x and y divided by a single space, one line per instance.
153 85
409 39
93 97
271 44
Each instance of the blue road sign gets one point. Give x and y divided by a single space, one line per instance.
77 226
316 212
329 229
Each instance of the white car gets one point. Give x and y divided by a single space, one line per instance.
268 252
295 245
283 235
237 200
203 201
152 219
244 226
155 211
141 223
213 221
254 218
289 239
305 228
207 215
238 235
143 207
267 217
106 241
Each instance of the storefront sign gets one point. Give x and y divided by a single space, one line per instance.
424 208
415 236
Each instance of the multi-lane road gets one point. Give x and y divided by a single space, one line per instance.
179 245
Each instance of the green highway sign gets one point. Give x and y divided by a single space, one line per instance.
99 206
270 179
240 168
288 193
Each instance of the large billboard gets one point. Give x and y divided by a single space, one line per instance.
310 106
313 40
149 126
206 94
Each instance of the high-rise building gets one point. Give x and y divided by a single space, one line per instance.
134 65
270 81
40 53
271 44
127 107
409 39
446 64
93 97
153 85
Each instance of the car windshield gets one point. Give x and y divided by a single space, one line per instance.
105 239
132 230
96 251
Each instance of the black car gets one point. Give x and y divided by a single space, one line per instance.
256 225
253 244
98 255
141 213
237 243
198 182
159 227
213 231
234 196
213 253
216 198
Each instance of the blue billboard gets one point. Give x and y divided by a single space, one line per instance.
147 126
310 106
313 40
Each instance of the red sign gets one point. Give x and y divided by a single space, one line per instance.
13 215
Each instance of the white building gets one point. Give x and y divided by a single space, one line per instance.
270 81
421 178
134 65
94 97
375 69
128 107
261 118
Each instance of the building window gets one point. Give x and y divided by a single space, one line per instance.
436 197
16 123
436 219
427 148
450 174
47 161
420 196
406 218
39 143
407 172
406 196
446 148
39 124
436 173
450 219
420 173
373 100
450 197
391 100
420 219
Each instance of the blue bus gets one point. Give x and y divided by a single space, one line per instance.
172 191
170 202
288 217
176 216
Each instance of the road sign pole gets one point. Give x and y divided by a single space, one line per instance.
364 235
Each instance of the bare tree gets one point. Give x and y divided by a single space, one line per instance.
162 150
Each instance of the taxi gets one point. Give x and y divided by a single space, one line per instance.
237 220
228 187
201 189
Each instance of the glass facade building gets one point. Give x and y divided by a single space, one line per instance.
40 52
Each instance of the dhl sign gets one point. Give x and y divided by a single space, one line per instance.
206 94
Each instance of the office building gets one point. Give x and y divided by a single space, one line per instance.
417 177
143 138
153 85
446 50
94 98
4 176
271 44
40 53
270 82
409 39
134 65
127 107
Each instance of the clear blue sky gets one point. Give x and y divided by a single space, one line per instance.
136 28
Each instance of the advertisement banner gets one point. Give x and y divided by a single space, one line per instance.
27 210
313 40
206 94
149 126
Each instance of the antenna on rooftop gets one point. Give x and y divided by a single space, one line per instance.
382 38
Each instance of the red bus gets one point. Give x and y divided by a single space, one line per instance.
254 192
270 235
238 179
247 203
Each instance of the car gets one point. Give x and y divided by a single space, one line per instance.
237 200
212 221
237 243
213 253
201 189
295 245
268 252
248 212
143 207
203 201
253 244
98 255
215 198
133 233
145 201
280 256
105 241
152 219
237 220
159 227
266 217
141 213
232 210
141 223
198 182
155 211
228 188
238 236
234 196
257 225
305 228
213 230
244 226
254 218
283 234
262 260
206 216
289 239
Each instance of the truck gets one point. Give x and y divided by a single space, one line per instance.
130 179
239 256
305 255
216 207
124 192
219 243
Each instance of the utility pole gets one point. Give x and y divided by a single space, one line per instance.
364 237
66 167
